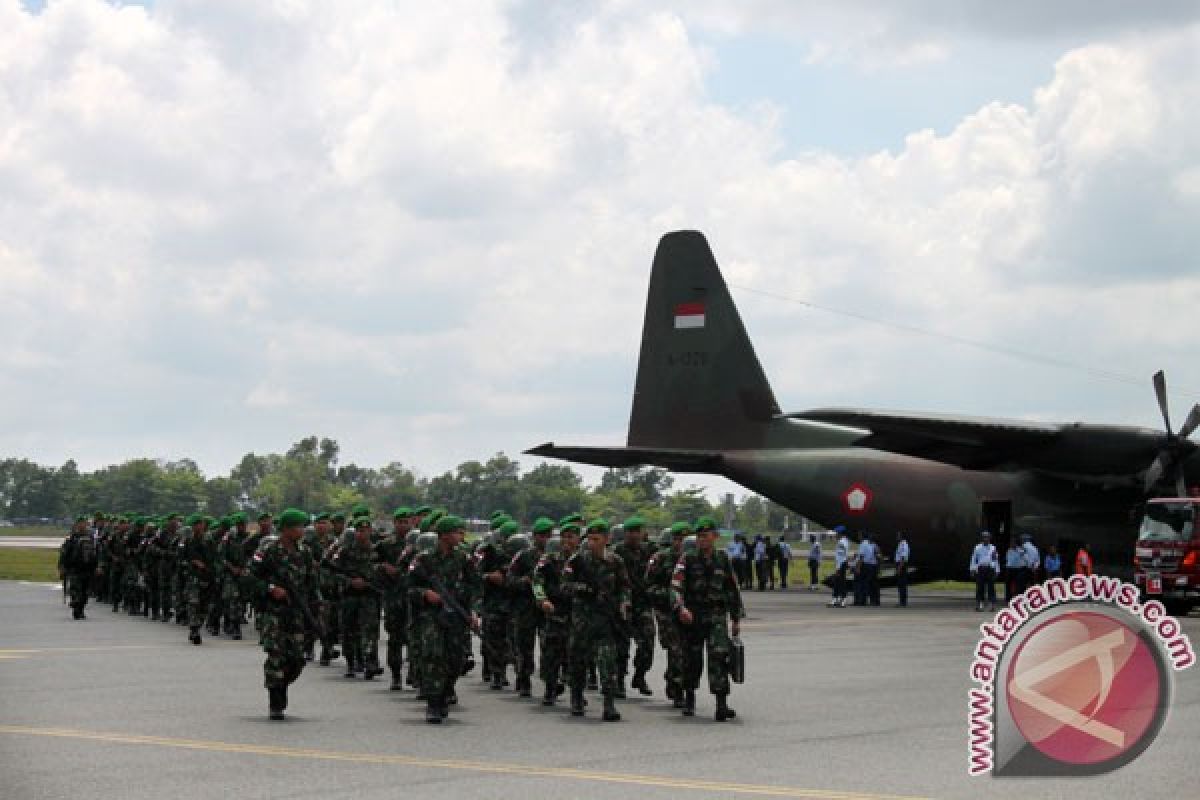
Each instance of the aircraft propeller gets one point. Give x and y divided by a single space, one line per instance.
1177 445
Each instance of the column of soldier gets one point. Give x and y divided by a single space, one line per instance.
330 579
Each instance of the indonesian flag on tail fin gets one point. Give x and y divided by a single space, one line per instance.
689 315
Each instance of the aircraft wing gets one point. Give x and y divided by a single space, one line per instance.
969 442
676 460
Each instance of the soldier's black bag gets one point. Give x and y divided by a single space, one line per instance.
737 660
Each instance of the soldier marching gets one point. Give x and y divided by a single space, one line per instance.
560 603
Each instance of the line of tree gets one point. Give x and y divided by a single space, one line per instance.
309 476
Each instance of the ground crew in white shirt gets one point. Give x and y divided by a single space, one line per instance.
985 564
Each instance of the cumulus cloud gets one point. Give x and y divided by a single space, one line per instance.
427 232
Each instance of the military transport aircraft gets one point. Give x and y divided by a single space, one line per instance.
702 404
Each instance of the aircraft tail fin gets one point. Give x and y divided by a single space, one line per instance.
699 384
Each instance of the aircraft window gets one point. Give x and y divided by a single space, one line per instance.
1168 522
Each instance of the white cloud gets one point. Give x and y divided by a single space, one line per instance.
427 233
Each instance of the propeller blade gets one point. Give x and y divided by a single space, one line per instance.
1160 390
1191 423
1154 472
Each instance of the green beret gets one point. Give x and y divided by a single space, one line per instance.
705 524
402 512
225 523
293 518
450 523
680 529
423 510
634 523
598 525
543 525
193 519
498 513
212 521
569 518
239 518
263 515
360 510
431 520
338 516
323 516
82 518
172 515
570 527
362 522
499 521
508 528
95 515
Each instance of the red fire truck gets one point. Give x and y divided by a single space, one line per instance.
1167 558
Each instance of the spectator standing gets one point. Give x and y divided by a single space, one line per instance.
785 561
902 556
1053 563
984 566
814 561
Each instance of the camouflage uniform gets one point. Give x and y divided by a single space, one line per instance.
278 564
115 564
77 563
556 628
198 556
658 589
707 587
234 556
390 552
360 609
167 543
443 635
490 558
599 591
133 584
526 618
641 617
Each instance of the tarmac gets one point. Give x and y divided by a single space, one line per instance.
852 703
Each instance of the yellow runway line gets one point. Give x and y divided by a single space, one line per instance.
484 767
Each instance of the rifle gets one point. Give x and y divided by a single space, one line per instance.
452 608
616 617
285 580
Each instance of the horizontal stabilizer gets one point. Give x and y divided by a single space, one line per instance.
675 460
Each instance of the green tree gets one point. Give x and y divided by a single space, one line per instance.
551 490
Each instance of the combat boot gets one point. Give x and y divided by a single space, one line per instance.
433 714
350 668
639 683
309 651
236 635
497 680
548 697
275 704
524 686
451 698
397 681
610 709
76 612
194 635
724 712
619 692
689 702
576 702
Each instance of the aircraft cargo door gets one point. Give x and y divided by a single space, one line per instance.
996 516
